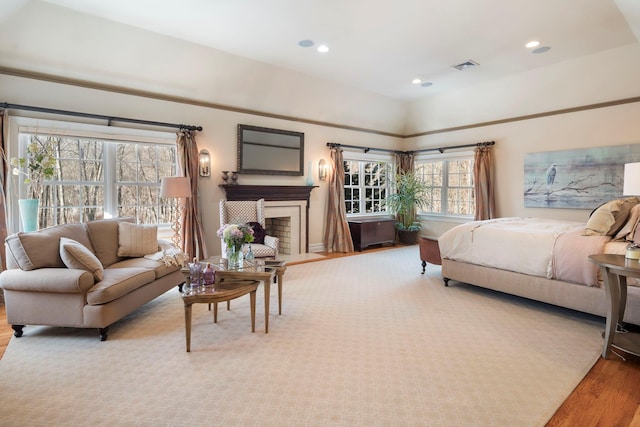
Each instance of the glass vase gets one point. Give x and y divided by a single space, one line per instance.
29 214
234 256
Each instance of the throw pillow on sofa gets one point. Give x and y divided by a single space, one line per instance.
137 240
76 255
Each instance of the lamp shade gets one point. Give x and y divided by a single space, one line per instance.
175 186
631 179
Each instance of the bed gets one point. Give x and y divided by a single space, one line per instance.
545 260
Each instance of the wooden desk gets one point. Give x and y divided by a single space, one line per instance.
615 270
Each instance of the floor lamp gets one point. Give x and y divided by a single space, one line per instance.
178 188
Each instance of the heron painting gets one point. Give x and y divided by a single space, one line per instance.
577 179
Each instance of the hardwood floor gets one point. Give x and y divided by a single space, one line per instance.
608 396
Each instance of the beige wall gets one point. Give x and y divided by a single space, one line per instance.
218 136
91 49
608 76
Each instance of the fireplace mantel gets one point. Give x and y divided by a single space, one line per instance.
268 192
274 193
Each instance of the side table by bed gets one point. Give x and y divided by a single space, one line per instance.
615 270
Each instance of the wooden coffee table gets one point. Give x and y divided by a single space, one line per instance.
219 292
262 270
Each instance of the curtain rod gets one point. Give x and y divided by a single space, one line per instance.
109 119
440 149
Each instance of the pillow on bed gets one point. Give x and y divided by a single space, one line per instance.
609 218
628 230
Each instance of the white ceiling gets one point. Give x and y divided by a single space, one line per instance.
381 45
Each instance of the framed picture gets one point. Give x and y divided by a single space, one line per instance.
576 179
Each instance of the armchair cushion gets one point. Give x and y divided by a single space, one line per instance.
75 255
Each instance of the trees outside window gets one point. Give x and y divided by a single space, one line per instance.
366 186
451 182
98 177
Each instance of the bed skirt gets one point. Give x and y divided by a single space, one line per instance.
588 299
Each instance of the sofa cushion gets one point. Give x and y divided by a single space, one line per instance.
103 234
118 282
40 249
75 255
136 240
159 268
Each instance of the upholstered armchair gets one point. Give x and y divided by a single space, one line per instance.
244 212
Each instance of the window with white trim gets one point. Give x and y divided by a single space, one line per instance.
100 172
451 181
366 183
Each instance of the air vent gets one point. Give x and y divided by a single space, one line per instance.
466 65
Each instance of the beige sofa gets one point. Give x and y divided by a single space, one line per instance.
102 286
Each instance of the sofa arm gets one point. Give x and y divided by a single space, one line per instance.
60 280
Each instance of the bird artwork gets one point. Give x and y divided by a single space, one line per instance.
551 177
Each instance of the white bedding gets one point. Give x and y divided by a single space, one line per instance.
524 245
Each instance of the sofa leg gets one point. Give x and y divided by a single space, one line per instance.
103 333
17 330
424 266
446 281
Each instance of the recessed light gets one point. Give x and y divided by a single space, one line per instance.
542 49
305 43
323 48
416 81
533 43
426 84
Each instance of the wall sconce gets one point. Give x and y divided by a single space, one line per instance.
322 170
205 163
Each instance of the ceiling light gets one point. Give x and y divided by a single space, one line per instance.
305 43
416 81
533 43
426 84
542 49
323 48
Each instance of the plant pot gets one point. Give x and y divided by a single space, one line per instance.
408 237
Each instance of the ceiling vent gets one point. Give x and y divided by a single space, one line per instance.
466 65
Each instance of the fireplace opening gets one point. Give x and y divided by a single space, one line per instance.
280 227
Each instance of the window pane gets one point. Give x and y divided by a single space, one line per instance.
76 193
452 185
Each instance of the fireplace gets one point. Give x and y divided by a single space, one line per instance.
286 212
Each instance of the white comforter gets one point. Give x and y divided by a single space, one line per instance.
524 245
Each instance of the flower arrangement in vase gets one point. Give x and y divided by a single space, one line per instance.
38 166
234 236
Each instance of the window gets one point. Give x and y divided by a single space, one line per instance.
451 179
366 185
100 173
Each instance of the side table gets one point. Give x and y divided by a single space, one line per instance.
615 270
218 293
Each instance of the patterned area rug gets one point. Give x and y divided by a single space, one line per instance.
363 340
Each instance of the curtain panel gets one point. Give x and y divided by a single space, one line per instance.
193 232
337 237
483 184
4 174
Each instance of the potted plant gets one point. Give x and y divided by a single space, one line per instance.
37 167
410 192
